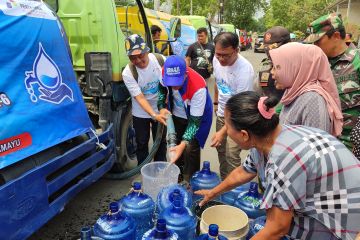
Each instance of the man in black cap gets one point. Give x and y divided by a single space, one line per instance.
273 38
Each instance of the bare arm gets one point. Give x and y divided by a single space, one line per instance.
147 108
216 93
236 178
277 224
188 61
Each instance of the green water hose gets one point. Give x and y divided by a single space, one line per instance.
149 158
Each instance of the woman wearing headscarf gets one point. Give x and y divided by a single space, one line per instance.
311 180
311 97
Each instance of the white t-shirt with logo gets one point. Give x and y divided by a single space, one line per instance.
148 84
233 79
197 104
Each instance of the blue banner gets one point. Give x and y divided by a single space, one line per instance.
40 102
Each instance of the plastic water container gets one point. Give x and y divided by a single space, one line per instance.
180 219
157 175
212 234
86 234
166 197
250 202
139 206
115 225
203 179
256 225
160 232
233 222
230 197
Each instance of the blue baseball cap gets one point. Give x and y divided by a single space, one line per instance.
174 71
135 45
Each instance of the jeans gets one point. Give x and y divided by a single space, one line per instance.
142 134
189 162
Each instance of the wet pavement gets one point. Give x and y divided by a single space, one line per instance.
91 203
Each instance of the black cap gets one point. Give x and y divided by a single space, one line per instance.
277 34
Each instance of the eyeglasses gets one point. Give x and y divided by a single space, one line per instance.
135 57
224 56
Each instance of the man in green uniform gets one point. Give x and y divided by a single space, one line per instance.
328 33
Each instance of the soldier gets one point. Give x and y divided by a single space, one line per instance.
328 33
273 38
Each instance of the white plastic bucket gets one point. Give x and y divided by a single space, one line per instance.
157 175
233 222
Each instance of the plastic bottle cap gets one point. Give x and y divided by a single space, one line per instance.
174 194
206 165
114 207
213 230
253 190
177 203
161 225
137 186
85 233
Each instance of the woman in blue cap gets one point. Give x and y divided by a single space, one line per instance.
190 104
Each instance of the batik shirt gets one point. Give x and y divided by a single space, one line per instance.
346 71
312 173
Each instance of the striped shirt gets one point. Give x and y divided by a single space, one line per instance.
315 175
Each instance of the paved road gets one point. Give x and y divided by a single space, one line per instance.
85 208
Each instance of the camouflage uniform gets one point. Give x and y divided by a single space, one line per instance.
346 71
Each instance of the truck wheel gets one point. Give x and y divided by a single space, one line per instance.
124 140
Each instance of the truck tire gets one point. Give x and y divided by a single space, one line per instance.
124 140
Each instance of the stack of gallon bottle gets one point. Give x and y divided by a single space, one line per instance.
137 217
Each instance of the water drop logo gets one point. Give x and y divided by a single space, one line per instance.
47 81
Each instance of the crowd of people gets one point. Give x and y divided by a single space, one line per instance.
306 157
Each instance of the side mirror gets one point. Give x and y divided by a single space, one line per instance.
175 27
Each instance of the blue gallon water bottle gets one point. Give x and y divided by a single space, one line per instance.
166 197
213 234
230 197
256 225
86 234
139 206
203 179
160 232
180 219
115 225
250 202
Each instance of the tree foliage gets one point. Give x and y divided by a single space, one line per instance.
295 15
206 8
241 12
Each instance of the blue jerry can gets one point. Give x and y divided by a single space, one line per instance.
203 179
256 225
160 232
180 219
250 202
212 234
115 225
140 207
230 196
166 197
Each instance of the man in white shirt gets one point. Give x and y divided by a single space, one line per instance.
233 74
141 77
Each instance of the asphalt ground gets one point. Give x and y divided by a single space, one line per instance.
90 204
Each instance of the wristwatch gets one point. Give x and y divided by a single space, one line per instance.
215 103
153 116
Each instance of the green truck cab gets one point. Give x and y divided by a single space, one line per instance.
228 27
96 36
200 21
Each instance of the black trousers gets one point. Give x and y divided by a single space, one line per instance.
142 133
189 162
